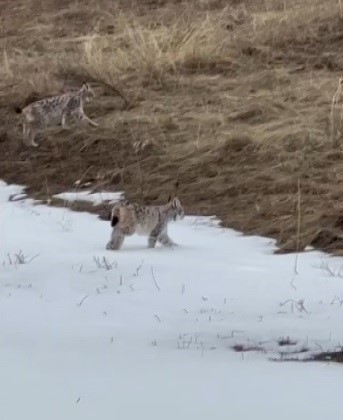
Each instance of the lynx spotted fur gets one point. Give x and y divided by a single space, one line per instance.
55 110
152 221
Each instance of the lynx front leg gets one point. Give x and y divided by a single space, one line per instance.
117 239
84 118
165 240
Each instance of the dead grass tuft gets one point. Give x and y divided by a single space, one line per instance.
187 43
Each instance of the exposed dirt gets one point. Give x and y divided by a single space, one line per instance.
246 125
326 356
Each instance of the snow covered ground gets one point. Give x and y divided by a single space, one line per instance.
87 333
95 198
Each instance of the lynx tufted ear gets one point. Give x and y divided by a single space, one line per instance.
174 193
176 203
85 86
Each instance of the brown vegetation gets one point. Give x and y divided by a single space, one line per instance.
239 100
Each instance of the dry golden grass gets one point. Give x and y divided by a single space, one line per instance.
241 101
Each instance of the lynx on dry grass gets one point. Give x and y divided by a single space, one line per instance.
127 219
52 111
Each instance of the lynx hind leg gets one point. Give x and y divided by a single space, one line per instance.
117 238
155 235
65 116
33 133
25 134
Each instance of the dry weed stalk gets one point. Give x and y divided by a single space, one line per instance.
334 132
19 259
82 300
331 271
7 67
299 305
154 280
104 263
298 228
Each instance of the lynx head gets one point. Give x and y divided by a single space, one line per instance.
87 92
176 211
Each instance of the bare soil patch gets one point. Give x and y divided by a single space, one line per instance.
326 356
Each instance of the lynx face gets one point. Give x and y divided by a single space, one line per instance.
176 211
88 93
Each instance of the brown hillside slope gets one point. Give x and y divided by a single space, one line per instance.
235 99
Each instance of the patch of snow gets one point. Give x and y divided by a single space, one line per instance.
89 333
95 198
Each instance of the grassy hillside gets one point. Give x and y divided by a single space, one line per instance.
238 100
